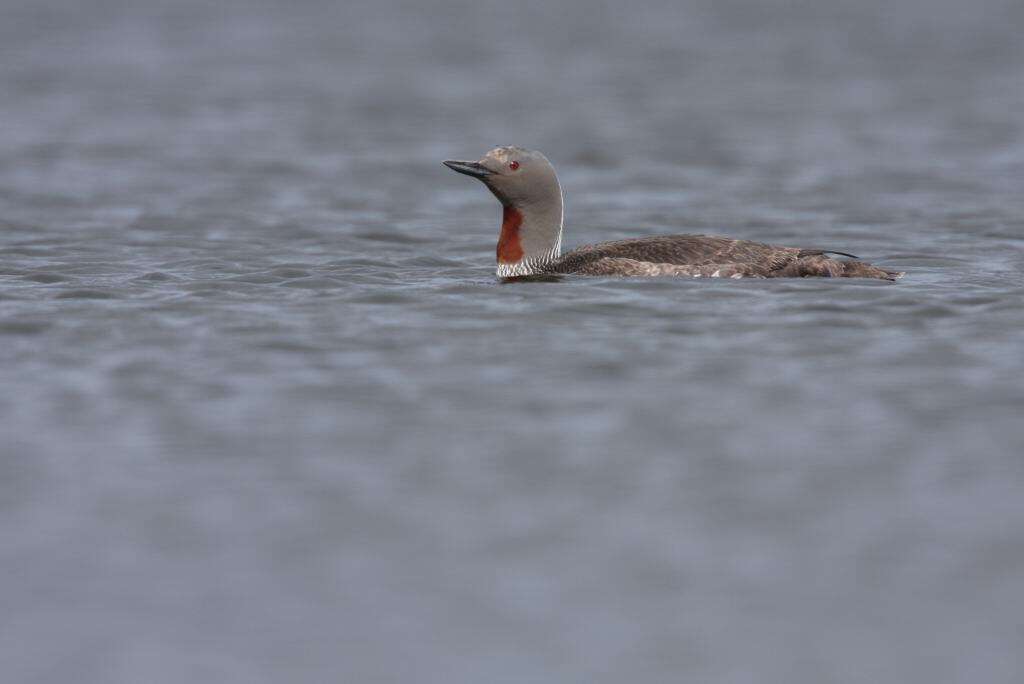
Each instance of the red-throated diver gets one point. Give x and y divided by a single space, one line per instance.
531 236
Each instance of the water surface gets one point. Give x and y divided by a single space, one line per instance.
267 416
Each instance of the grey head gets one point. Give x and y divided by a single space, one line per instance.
525 183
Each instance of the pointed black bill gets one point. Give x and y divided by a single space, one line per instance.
474 169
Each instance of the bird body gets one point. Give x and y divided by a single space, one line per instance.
531 237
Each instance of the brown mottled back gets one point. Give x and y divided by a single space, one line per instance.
708 256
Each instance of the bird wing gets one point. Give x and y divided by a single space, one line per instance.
621 266
691 251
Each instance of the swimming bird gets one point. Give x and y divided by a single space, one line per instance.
530 242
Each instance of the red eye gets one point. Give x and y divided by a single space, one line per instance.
513 165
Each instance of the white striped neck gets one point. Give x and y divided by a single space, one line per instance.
528 266
531 237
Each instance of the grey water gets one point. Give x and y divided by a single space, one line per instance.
266 415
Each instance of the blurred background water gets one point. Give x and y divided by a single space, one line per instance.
267 416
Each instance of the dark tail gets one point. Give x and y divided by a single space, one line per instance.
814 264
860 269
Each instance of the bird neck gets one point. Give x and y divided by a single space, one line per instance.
531 236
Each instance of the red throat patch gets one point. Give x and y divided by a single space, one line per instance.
510 250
